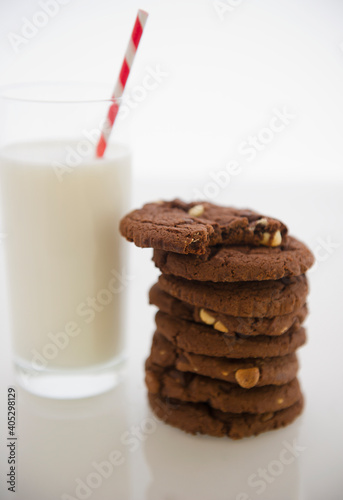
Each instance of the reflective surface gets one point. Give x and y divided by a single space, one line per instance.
110 446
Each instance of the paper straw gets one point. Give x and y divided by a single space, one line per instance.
130 53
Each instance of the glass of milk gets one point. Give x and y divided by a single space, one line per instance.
60 209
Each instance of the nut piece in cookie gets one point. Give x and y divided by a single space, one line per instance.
247 377
218 325
271 241
196 211
206 317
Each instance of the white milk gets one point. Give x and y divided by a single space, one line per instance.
65 266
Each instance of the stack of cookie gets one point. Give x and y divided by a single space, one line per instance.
231 299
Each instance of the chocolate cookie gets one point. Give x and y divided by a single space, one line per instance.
247 299
185 228
238 263
200 418
227 324
247 373
202 339
224 396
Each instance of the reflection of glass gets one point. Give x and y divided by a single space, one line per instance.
184 466
61 209
81 443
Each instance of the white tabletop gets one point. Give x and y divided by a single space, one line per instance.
61 443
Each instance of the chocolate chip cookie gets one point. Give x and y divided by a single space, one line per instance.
224 396
238 263
176 226
230 325
202 339
248 372
245 299
200 418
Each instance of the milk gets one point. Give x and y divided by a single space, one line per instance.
66 274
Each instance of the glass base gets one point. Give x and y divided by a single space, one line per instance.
70 384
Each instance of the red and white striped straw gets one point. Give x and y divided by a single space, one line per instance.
130 53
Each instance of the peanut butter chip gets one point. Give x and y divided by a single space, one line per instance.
225 374
280 401
247 377
196 211
206 317
218 325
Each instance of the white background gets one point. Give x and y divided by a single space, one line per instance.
224 76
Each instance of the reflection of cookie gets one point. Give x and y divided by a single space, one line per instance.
202 339
248 299
181 227
245 372
224 396
201 418
238 263
228 324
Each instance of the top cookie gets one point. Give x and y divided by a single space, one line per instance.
190 228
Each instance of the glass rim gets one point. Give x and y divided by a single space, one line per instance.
16 92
